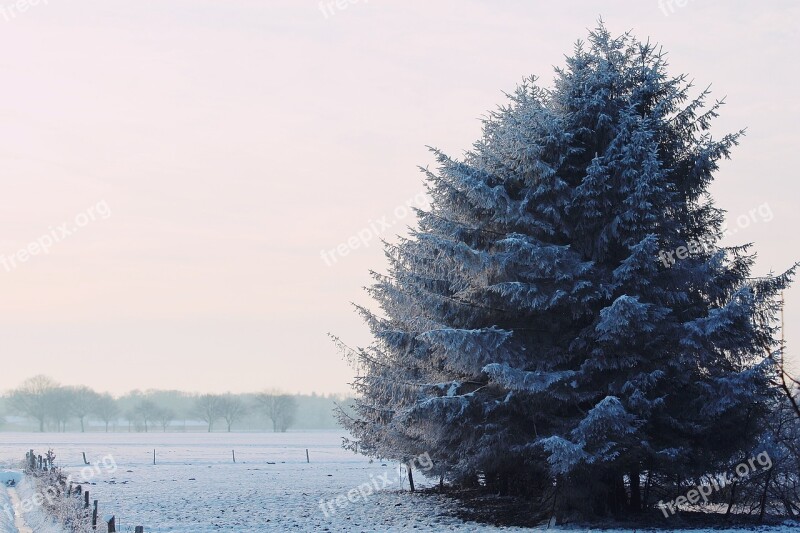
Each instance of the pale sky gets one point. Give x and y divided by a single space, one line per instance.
206 151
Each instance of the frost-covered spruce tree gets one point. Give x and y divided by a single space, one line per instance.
539 330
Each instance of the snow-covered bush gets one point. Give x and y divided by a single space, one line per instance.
49 492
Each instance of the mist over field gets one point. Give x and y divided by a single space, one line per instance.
40 404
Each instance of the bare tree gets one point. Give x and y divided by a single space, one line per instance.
82 403
105 408
146 411
165 416
60 402
32 398
231 408
207 407
280 408
131 417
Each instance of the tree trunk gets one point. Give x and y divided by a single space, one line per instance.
617 497
732 499
410 476
636 492
764 496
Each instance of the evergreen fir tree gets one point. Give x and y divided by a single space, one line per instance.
535 330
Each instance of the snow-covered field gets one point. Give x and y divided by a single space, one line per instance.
196 488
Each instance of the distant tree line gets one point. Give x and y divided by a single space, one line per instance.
45 405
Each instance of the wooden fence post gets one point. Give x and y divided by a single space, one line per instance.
94 516
112 525
308 460
86 500
139 529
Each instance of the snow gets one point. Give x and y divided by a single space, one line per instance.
6 518
195 486
15 516
35 517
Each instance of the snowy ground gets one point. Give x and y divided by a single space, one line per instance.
6 519
195 486
16 515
